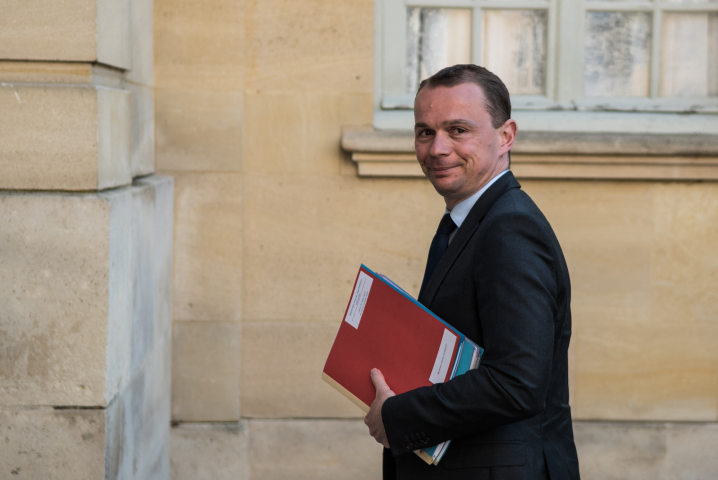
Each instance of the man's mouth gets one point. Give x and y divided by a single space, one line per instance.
443 169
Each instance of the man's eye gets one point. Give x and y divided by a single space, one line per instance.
424 133
460 130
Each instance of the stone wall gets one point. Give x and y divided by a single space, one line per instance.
262 230
86 242
272 222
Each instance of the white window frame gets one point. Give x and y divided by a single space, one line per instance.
563 107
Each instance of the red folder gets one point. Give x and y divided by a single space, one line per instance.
385 328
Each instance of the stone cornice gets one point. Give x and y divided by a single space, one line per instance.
557 155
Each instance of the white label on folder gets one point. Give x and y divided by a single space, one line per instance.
359 298
443 358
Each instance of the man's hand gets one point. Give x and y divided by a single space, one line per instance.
373 418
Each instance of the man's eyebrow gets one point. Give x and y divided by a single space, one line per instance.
459 121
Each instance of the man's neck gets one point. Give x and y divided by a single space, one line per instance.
452 202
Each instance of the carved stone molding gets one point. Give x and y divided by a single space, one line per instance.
387 153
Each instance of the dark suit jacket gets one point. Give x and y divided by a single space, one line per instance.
503 282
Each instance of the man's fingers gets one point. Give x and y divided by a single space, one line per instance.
373 418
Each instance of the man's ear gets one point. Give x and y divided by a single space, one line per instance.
508 134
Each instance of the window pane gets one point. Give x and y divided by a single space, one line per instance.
689 57
515 48
436 38
617 54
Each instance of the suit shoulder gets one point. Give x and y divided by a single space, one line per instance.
516 213
516 203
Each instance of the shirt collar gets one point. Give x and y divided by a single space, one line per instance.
461 210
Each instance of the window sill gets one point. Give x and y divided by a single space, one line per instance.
556 155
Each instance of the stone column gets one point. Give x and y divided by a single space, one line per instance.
85 245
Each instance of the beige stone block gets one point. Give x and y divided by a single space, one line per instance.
651 451
129 439
692 448
316 45
121 306
137 421
615 451
313 450
74 326
306 235
208 247
205 371
139 313
641 260
144 253
605 230
113 137
162 234
153 437
684 259
64 138
48 128
54 290
74 30
113 32
199 46
48 443
276 385
142 118
46 30
200 131
626 371
306 130
141 42
207 451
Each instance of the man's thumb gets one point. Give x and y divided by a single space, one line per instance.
378 379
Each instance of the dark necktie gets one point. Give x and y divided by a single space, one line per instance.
438 247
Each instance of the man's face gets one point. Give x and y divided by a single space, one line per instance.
458 148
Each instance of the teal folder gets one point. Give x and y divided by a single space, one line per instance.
470 359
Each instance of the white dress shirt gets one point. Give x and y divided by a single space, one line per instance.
462 209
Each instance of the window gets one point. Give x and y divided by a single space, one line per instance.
639 56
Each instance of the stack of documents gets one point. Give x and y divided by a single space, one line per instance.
385 328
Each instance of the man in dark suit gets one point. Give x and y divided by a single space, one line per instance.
495 272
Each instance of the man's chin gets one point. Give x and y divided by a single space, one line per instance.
444 186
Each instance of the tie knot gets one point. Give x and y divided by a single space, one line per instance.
446 226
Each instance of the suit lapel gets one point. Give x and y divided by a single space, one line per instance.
467 230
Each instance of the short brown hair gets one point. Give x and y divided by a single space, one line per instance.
498 102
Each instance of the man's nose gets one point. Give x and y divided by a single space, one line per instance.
440 146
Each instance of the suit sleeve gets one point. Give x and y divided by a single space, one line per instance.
516 291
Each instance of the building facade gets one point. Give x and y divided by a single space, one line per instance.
270 141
